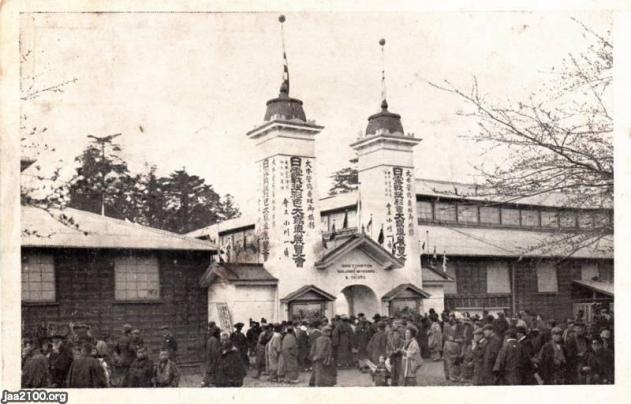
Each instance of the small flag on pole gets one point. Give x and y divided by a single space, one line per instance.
333 233
435 255
444 261
380 239
345 223
369 226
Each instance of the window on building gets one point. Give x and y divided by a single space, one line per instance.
136 278
497 278
424 209
530 217
510 216
467 213
489 215
38 278
589 272
549 218
601 219
547 278
585 220
567 219
445 211
352 218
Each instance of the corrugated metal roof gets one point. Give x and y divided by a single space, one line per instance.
465 241
44 228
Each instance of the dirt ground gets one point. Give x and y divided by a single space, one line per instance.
430 374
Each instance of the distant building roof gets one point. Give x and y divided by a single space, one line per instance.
338 201
434 276
215 229
407 290
460 190
308 292
466 241
47 228
236 273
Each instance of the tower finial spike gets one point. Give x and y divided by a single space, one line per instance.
284 87
384 103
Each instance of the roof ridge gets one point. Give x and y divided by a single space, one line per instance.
137 225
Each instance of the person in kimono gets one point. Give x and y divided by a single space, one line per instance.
411 358
289 352
274 347
324 367
435 339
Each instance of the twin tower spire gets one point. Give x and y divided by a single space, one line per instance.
286 108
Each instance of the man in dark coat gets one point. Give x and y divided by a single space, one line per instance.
167 373
136 340
394 345
60 360
314 333
577 349
491 350
508 363
213 351
252 335
141 371
35 371
361 339
86 371
241 343
342 342
527 354
230 369
124 355
599 364
378 344
552 359
169 343
324 368
303 344
264 337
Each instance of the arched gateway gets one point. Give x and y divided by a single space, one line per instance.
354 299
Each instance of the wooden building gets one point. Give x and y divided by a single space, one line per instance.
106 272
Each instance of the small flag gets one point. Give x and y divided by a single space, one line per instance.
345 223
333 233
369 226
435 255
380 239
324 242
221 253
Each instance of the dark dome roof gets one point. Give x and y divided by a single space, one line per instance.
285 108
385 120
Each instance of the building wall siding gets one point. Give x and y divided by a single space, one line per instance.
85 293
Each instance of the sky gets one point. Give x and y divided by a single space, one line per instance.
197 82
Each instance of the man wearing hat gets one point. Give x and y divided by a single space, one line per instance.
476 364
169 342
507 366
252 336
86 371
577 348
136 340
324 368
124 355
35 372
241 343
552 359
526 366
60 360
599 365
491 350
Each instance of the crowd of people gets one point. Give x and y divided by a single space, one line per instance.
478 350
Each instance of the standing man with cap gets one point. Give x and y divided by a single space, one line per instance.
508 364
124 355
169 343
241 343
478 346
60 360
491 350
526 365
552 359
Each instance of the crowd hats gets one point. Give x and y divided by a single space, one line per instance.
556 330
238 326
488 327
127 327
478 330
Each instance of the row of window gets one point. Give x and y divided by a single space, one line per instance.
468 213
135 278
498 277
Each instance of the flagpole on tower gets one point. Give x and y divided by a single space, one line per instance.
382 42
285 78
